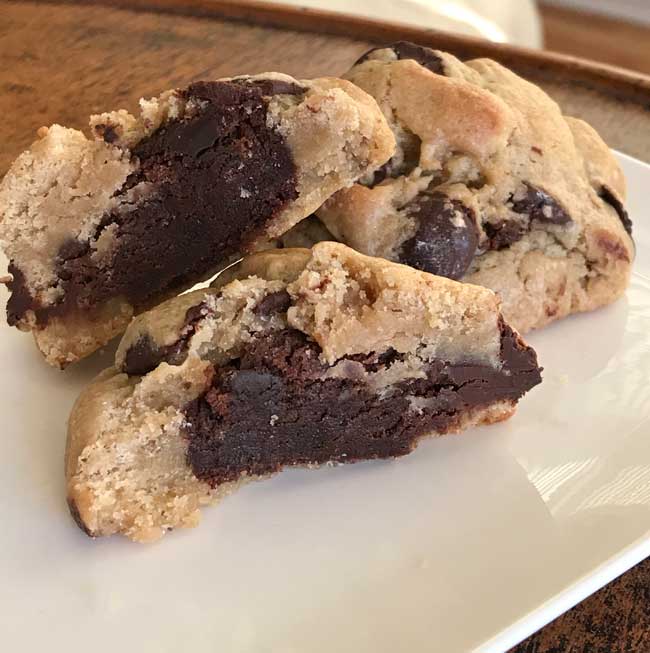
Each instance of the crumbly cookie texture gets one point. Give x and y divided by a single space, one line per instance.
99 229
301 357
490 184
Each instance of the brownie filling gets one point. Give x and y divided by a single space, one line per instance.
275 407
217 177
406 50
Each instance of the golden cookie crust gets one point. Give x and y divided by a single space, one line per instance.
59 191
481 137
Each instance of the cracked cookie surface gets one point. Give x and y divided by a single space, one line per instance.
100 229
296 357
489 184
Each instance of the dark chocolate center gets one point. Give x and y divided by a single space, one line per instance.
217 178
274 407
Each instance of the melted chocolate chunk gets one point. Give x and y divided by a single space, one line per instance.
504 233
271 87
539 205
446 239
608 196
406 50
217 177
275 302
411 146
380 174
106 132
144 355
274 407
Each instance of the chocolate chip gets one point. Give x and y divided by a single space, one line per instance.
608 196
504 233
380 174
275 302
538 205
194 314
106 132
277 87
145 355
541 206
446 239
424 56
406 50
409 159
110 135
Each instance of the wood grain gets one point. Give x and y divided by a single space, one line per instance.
600 38
614 620
62 62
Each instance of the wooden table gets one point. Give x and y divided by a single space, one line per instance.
60 63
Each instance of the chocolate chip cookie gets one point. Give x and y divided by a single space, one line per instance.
294 357
99 229
490 184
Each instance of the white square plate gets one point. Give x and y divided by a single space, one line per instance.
470 543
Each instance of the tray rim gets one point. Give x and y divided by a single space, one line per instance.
582 588
618 84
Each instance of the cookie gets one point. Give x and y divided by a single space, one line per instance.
305 234
489 184
100 229
299 357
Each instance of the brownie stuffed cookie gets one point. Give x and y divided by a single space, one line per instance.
489 184
295 357
100 229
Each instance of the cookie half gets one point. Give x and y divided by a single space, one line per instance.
298 357
98 230
490 184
